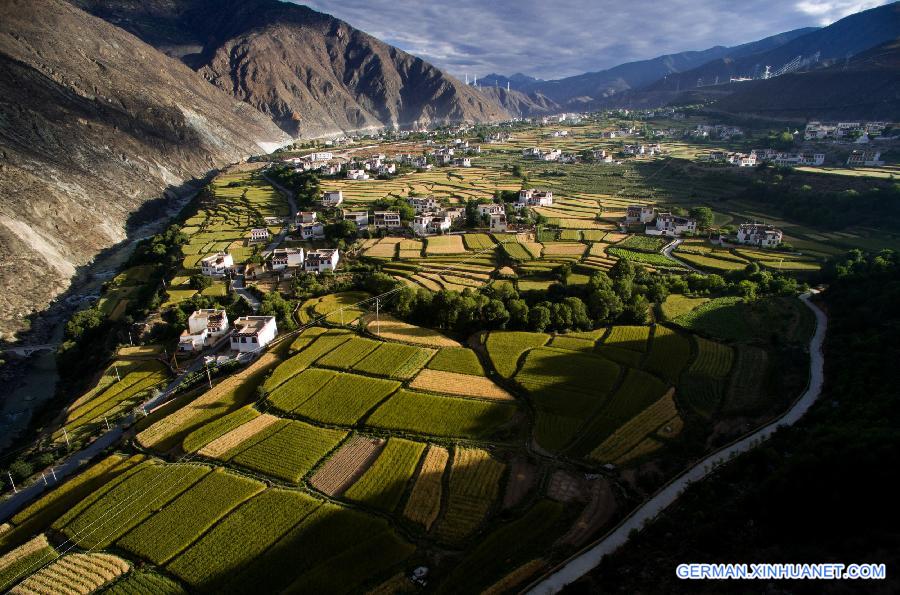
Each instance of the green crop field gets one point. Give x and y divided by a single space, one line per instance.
670 353
505 349
628 337
652 259
478 241
345 399
300 388
426 414
474 486
702 393
141 582
748 381
651 244
395 360
637 392
134 499
676 305
348 353
572 343
384 483
713 359
168 532
456 359
289 453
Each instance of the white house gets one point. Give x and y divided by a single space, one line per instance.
430 223
252 333
864 158
311 231
490 208
333 198
639 214
357 174
535 198
668 224
321 260
462 162
498 222
422 203
305 217
793 159
759 234
205 327
386 220
361 218
283 258
216 265
259 234
321 156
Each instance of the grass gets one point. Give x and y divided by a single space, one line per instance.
384 483
348 353
506 347
457 359
168 532
474 486
291 452
299 388
433 415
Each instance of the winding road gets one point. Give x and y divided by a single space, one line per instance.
588 558
667 252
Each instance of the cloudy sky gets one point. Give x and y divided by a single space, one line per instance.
565 37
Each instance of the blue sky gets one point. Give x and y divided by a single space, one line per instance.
567 37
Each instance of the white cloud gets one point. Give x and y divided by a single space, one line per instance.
567 37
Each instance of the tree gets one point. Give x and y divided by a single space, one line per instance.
341 230
604 305
539 318
580 318
495 314
21 469
703 216
636 311
200 282
518 313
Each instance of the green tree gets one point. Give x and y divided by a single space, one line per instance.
703 216
200 282
539 318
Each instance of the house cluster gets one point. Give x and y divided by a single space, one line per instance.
630 131
541 154
320 161
718 131
308 226
430 217
759 234
377 164
456 153
843 131
499 137
320 260
603 156
863 158
658 223
756 156
642 150
416 161
559 133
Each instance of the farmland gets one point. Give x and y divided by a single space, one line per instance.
383 484
424 502
427 414
474 486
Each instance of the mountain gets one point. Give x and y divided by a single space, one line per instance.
579 92
516 81
838 41
520 103
93 124
865 87
311 73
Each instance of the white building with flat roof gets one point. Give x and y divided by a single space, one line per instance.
321 260
668 224
333 198
361 218
259 234
387 220
205 327
311 231
283 258
535 198
759 234
252 333
217 265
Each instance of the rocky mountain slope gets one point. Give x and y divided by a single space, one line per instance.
311 73
94 123
519 103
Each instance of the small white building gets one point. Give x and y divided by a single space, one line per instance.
668 224
321 260
535 198
311 231
252 333
864 158
759 234
304 217
283 258
386 220
259 234
333 198
639 214
217 265
490 208
498 222
431 223
361 218
205 327
423 203
357 174
462 162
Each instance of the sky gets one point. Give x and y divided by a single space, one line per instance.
566 37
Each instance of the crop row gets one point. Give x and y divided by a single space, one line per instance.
395 360
424 502
474 486
384 483
456 359
713 359
635 430
291 452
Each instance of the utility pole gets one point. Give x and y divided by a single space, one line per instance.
118 378
44 477
208 376
377 319
66 434
15 491
53 473
130 341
